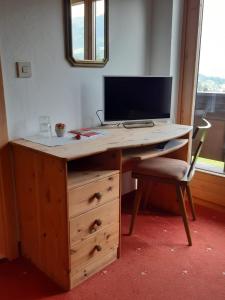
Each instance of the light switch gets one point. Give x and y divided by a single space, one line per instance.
23 69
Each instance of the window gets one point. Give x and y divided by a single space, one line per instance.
99 30
88 36
78 30
210 96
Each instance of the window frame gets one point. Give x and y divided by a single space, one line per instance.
204 183
88 61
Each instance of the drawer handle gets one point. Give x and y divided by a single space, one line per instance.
98 248
97 223
97 196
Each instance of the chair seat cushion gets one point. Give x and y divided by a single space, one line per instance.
162 167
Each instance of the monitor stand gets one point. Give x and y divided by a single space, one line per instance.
138 124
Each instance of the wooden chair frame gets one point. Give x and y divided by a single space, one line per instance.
182 185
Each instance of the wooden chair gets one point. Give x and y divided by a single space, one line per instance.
172 171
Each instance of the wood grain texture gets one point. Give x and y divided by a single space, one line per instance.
85 252
77 179
117 138
106 153
8 224
142 153
190 48
54 193
109 160
86 271
209 187
47 234
3 250
209 205
84 226
204 186
3 121
84 198
41 195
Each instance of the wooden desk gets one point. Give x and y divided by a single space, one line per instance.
69 197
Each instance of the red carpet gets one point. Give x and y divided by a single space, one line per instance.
155 264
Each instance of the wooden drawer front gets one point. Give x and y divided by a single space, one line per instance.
92 195
87 224
95 247
81 273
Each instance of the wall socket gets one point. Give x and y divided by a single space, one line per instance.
23 69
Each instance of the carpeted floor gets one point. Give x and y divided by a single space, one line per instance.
155 264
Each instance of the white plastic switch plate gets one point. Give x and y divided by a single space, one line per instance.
23 69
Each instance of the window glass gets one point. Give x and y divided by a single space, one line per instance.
99 30
210 97
78 35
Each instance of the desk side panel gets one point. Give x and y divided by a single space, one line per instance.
42 201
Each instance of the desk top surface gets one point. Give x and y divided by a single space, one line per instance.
115 138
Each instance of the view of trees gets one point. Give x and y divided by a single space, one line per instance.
211 84
78 37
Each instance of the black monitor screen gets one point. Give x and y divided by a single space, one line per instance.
136 98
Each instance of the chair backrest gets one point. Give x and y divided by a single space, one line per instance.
199 134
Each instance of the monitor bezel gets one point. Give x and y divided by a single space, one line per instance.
135 120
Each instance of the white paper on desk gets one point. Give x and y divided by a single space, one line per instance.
60 141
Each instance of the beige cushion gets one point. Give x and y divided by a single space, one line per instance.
162 167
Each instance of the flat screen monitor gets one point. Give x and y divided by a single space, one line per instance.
136 98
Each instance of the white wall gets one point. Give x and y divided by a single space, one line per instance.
161 37
165 42
128 51
33 31
143 40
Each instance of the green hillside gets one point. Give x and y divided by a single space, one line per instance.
78 37
211 84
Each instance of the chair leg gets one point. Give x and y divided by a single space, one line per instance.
190 200
137 201
183 213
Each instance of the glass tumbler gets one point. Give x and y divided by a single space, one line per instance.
45 126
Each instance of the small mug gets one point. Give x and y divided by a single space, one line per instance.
60 129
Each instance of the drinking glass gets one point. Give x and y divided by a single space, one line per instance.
45 126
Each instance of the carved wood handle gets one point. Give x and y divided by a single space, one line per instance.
98 222
95 225
97 196
98 248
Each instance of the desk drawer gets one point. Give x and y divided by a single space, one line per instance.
81 273
87 224
95 247
92 195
